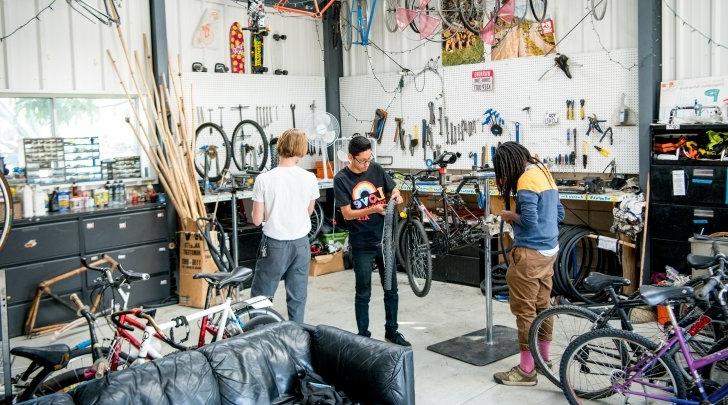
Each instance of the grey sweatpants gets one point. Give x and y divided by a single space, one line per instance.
290 260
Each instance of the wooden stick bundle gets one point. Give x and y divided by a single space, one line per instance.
165 137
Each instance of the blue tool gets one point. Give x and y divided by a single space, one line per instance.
518 132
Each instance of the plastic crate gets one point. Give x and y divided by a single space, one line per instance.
704 247
337 237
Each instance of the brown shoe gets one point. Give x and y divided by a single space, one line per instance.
515 376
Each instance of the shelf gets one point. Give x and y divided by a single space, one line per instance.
661 129
246 194
610 196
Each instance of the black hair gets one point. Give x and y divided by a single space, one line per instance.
359 144
510 161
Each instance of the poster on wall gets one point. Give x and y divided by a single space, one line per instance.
482 80
524 38
461 48
701 100
208 30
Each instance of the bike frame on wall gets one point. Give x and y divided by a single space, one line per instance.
318 12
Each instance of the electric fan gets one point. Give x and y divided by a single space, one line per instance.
324 130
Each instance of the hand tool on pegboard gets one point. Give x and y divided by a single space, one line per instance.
602 151
518 131
447 131
483 155
425 139
431 106
585 151
293 114
582 110
397 128
440 119
594 124
380 118
576 146
608 132
474 156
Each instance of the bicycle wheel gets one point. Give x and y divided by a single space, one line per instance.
390 18
388 243
6 210
599 363
598 9
317 220
475 13
538 9
212 151
250 146
521 9
252 318
418 262
345 28
566 323
399 243
449 15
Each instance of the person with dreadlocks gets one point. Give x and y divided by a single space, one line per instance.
535 223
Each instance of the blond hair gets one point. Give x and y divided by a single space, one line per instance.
292 143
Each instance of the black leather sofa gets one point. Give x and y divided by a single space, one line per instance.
260 367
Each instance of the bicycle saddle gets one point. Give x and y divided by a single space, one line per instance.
53 356
212 277
653 295
702 262
598 281
238 276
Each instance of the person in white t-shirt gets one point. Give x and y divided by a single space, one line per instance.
283 200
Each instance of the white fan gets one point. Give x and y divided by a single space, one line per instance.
324 130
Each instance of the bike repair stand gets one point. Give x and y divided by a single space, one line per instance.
495 342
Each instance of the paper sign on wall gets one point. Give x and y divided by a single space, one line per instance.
207 30
482 80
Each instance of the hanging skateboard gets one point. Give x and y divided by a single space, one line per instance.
237 48
256 51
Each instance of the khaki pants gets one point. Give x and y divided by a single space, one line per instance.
529 287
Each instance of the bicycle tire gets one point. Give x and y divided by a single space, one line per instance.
6 210
521 9
390 18
412 5
538 9
610 334
388 243
419 259
472 13
223 145
598 9
449 15
559 310
268 315
398 243
317 221
239 136
345 26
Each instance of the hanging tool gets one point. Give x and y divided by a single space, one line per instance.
492 153
293 114
609 132
398 126
411 145
518 132
447 131
431 106
582 110
414 141
400 132
440 119
474 156
594 124
576 146
568 136
380 118
425 139
585 151
603 151
613 170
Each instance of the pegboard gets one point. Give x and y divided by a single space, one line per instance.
210 90
516 86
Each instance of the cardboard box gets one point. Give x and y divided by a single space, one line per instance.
325 264
194 257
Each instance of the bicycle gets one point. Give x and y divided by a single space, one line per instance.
573 321
211 147
456 226
6 209
475 13
632 364
356 19
249 140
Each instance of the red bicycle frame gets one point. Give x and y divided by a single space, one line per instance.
317 13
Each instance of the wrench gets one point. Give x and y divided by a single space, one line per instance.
431 106
293 114
440 109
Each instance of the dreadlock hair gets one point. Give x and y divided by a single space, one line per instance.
510 162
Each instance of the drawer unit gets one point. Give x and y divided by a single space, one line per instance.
457 269
248 243
105 233
22 281
39 242
680 222
149 291
152 259
702 184
670 253
50 312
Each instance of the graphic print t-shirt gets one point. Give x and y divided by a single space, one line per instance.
361 191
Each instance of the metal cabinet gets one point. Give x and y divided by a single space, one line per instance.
122 230
150 291
40 242
22 281
701 184
152 259
680 222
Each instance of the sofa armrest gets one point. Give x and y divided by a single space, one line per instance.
53 399
367 370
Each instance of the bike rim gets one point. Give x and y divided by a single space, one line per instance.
449 15
212 156
250 146
345 27
418 251
598 9
6 210
390 19
538 9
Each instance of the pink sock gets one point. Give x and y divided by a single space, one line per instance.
543 348
526 362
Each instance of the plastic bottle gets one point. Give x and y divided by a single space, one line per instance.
41 202
122 194
27 202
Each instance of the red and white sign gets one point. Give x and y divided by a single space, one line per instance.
482 80
547 27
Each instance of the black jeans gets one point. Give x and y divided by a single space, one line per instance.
363 265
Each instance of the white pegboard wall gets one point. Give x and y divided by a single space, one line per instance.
516 86
210 90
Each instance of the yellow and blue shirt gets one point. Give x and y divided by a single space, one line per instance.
540 210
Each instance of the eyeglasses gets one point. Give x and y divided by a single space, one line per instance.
365 161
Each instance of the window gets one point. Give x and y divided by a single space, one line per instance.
67 117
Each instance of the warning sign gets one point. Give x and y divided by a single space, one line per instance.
482 80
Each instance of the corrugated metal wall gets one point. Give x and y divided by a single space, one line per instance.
686 53
618 30
64 52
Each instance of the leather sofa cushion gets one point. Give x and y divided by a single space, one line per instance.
260 366
184 378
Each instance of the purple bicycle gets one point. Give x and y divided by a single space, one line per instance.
618 366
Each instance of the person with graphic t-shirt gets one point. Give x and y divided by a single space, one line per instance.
283 200
360 191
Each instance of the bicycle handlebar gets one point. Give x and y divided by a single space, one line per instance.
130 275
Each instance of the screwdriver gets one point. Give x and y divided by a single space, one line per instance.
603 151
585 150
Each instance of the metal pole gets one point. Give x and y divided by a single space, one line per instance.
488 273
7 384
234 236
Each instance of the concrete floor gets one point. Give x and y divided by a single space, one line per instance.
447 311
